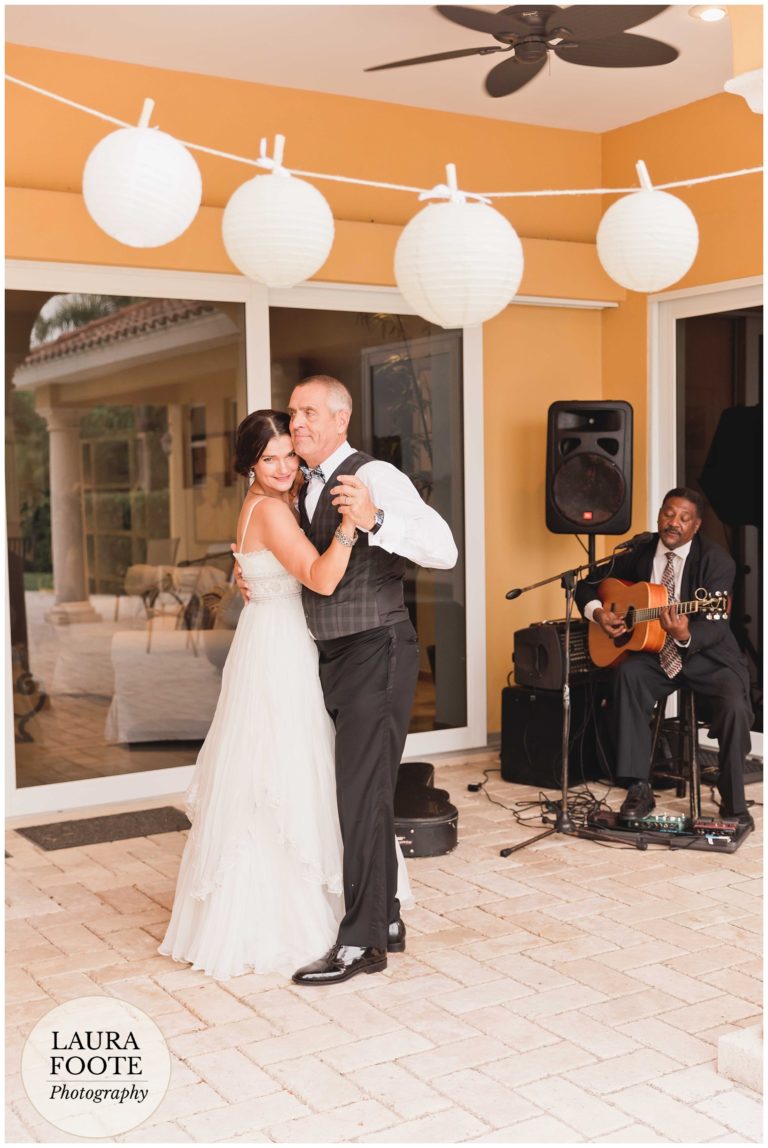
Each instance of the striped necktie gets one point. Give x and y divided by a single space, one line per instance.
671 662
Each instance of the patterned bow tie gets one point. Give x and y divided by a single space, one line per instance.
313 472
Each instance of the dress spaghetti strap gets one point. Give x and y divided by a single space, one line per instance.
256 501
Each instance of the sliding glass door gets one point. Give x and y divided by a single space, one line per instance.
123 393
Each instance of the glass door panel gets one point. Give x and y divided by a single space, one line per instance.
121 505
405 377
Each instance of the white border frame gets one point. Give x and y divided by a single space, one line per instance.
64 277
664 310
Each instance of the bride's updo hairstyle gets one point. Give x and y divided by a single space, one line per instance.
253 436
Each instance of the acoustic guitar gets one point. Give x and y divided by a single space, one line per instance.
640 604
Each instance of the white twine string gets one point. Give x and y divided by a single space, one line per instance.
263 161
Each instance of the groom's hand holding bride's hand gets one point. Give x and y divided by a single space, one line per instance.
353 501
242 585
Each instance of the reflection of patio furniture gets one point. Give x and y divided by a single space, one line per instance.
169 694
150 579
166 692
201 577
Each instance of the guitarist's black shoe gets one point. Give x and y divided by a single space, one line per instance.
744 818
639 801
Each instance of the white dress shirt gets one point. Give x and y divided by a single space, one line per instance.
657 573
410 528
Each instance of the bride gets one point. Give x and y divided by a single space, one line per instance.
260 882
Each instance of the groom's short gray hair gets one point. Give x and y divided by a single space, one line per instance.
339 398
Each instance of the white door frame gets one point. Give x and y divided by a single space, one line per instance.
664 310
61 277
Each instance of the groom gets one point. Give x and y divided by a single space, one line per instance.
368 657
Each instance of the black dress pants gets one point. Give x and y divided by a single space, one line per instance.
639 682
368 681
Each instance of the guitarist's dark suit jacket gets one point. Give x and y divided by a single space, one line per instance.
713 665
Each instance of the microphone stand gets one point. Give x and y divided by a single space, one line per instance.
567 579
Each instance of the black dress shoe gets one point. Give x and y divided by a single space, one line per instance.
396 937
639 801
340 963
744 818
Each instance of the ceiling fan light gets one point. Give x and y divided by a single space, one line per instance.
277 229
458 264
709 13
647 240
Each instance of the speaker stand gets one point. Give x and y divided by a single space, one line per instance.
563 823
567 579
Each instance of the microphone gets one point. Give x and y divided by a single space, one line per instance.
638 540
513 593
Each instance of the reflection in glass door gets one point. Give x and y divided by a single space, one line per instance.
405 377
121 504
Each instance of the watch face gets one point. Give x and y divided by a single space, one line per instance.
378 521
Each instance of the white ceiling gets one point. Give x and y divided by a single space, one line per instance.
325 47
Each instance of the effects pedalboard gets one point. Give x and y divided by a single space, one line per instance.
718 834
719 828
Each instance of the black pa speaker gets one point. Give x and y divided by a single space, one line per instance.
531 736
589 467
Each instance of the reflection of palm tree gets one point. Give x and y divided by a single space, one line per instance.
67 312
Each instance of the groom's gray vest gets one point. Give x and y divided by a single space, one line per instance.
371 592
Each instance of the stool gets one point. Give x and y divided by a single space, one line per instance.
682 732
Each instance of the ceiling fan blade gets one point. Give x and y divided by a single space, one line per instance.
437 56
622 51
511 75
594 22
479 21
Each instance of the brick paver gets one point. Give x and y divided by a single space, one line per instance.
570 993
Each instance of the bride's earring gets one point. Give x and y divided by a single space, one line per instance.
251 476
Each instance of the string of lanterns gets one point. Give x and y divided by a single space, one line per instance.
458 262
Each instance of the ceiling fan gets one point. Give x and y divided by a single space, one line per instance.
592 35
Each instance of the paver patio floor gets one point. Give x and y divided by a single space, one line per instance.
573 992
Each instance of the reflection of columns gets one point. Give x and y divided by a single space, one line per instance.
174 445
70 581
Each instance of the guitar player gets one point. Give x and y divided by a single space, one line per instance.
697 653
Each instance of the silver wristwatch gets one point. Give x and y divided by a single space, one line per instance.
378 522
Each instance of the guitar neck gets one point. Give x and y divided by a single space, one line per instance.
655 611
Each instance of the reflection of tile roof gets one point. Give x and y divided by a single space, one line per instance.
136 319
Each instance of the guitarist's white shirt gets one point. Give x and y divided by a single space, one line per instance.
657 572
660 563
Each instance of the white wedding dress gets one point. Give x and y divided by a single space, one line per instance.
260 884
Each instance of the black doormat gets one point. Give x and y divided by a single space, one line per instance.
114 827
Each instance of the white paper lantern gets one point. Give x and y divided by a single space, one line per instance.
458 263
647 240
278 229
141 185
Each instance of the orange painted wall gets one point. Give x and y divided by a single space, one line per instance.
710 136
532 356
411 146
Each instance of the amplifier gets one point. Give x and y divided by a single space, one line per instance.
539 651
531 736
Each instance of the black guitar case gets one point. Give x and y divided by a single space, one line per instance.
426 823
